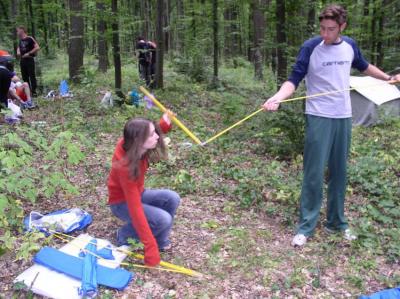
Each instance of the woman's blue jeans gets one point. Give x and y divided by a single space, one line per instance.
159 207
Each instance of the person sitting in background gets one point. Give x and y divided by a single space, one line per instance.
20 91
6 74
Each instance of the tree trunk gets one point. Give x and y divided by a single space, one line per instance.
145 13
311 18
258 38
373 31
179 27
281 41
381 25
102 49
66 24
215 41
159 82
76 43
116 49
14 5
367 26
167 33
44 27
31 18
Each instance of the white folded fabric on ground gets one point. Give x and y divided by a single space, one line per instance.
16 110
56 285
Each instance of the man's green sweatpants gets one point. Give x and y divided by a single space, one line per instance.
327 143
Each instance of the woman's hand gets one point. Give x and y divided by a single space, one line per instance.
152 255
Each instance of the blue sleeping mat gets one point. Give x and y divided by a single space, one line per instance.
72 266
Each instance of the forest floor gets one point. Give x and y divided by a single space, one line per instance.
238 210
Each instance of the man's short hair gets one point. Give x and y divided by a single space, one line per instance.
139 38
334 12
22 28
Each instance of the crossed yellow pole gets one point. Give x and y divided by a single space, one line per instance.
174 119
191 135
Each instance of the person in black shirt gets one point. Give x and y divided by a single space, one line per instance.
144 57
27 50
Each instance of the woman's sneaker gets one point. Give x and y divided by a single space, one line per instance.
299 240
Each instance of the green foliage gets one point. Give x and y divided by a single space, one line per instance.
195 65
374 175
25 178
283 131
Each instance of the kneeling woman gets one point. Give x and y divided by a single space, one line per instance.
148 214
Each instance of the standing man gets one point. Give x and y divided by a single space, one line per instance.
144 57
26 51
325 62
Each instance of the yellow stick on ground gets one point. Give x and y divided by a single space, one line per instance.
174 119
165 264
111 261
169 266
291 100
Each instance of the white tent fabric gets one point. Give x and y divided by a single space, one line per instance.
371 97
377 91
52 284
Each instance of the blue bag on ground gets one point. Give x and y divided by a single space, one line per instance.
385 294
64 88
73 266
64 221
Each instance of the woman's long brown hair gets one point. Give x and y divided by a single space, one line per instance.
136 132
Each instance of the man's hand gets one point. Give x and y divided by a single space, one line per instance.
26 55
286 90
272 104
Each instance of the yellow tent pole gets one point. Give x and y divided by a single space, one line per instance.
165 264
122 263
231 127
291 100
174 119
175 268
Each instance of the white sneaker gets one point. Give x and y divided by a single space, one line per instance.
299 240
349 235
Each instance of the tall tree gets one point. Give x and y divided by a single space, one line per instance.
258 37
311 17
14 5
116 49
145 9
31 18
281 41
102 49
159 81
179 45
381 28
44 27
76 43
215 41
